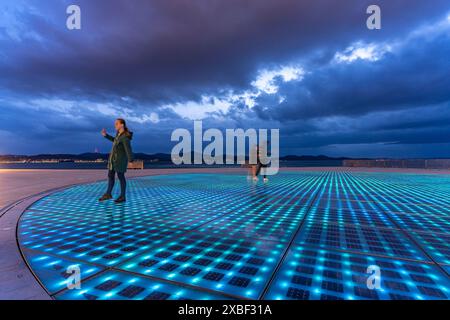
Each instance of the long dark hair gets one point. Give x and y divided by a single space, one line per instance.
125 128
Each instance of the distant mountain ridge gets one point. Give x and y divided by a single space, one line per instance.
310 158
163 157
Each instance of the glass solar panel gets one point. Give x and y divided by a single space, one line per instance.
327 275
122 286
237 267
303 235
54 272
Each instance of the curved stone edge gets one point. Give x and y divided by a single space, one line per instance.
17 280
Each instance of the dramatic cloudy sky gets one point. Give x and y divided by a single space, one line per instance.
310 68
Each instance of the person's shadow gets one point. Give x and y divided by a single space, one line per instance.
116 219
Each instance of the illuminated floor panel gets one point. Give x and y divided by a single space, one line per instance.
354 238
105 244
55 272
414 209
123 286
234 266
303 235
329 275
345 216
423 223
437 245
254 226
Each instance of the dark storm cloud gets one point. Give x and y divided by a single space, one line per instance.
144 56
415 75
184 46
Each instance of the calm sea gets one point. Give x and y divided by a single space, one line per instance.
87 166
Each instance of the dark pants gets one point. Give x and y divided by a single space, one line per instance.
111 180
258 169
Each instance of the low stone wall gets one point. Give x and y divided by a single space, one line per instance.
400 163
136 164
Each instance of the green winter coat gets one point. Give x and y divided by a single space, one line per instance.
121 152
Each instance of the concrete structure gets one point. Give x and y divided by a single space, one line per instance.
400 163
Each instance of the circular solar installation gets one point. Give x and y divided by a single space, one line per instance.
302 235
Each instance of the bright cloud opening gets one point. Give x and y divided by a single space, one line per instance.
152 117
266 80
360 51
199 110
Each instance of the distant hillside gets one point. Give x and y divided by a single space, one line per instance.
82 157
162 157
310 158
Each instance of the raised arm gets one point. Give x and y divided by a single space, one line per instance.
107 136
110 138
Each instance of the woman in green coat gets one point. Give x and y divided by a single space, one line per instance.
118 159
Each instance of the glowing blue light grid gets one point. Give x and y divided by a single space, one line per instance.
55 272
379 241
437 245
220 235
236 267
104 244
329 275
123 286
